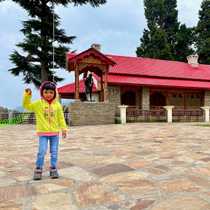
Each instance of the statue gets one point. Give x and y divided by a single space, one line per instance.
88 86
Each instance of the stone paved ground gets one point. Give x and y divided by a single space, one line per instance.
112 167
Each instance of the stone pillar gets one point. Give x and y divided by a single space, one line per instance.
138 97
145 98
123 113
10 116
114 95
207 98
206 112
101 96
105 87
169 113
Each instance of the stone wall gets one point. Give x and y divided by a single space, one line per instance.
139 97
145 98
91 113
207 98
114 96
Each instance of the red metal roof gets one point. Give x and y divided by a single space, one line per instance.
158 68
157 82
156 72
140 81
70 88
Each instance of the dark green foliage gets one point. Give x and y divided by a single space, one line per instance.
203 33
35 59
165 38
185 39
152 48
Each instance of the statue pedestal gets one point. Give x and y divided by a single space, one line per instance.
92 113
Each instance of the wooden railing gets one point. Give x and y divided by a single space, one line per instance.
135 114
188 115
159 114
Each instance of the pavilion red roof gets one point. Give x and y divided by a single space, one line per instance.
71 57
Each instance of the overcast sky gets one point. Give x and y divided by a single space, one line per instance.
117 26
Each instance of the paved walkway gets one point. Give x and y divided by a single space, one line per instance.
112 167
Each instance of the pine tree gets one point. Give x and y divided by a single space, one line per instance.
155 34
170 21
203 33
154 45
35 62
165 38
185 39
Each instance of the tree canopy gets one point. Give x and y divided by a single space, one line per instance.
44 47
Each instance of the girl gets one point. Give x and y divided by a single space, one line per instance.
49 122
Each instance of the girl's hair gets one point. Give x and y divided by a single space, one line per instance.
49 86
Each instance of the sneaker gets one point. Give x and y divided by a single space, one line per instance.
54 173
37 174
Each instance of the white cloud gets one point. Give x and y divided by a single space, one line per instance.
114 25
8 6
188 11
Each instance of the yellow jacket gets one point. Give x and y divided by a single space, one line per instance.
49 117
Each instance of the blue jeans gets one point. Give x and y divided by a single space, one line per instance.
43 143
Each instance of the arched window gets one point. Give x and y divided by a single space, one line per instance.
128 98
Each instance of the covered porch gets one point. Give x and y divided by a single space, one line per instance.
150 98
149 104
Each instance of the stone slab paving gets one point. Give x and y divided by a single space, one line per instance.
140 166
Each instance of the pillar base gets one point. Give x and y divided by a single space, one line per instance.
169 113
206 112
123 113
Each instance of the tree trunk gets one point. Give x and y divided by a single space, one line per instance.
44 66
44 75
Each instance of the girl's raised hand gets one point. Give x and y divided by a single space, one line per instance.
28 91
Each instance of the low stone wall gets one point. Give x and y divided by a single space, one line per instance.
91 113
